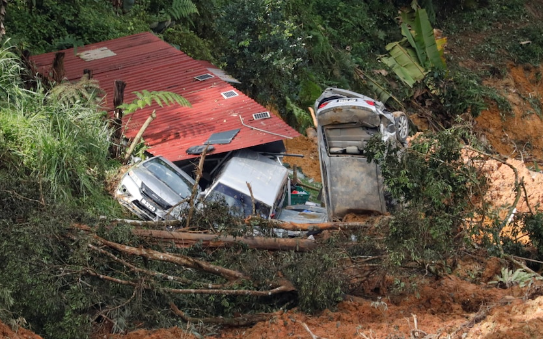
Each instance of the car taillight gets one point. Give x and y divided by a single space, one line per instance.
324 104
371 103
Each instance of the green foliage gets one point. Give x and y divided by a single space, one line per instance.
62 144
462 92
181 9
433 187
317 279
46 25
411 63
191 44
262 47
302 117
68 93
171 9
466 15
10 71
520 277
35 264
533 226
403 64
146 98
528 45
525 225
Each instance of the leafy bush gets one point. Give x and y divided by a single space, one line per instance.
526 226
462 92
465 15
43 26
531 50
433 187
317 279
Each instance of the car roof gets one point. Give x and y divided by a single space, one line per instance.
265 175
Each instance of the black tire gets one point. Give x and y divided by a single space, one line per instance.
402 126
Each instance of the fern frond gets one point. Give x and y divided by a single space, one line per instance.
69 93
182 9
146 98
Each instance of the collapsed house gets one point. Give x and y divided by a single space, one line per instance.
220 115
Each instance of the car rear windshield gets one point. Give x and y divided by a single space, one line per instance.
240 203
173 179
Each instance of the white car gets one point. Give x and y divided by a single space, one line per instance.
154 189
270 186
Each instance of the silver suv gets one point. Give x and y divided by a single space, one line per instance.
346 121
154 189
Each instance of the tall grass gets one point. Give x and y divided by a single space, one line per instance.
62 146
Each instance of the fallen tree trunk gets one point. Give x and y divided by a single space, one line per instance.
184 239
291 226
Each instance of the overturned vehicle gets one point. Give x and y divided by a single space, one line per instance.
346 121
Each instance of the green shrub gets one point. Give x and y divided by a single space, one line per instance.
317 278
433 187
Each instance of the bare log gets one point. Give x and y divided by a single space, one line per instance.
184 239
199 172
3 6
291 226
139 135
117 121
244 320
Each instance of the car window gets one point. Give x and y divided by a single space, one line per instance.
173 179
240 203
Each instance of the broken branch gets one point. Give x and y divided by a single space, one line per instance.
167 257
247 319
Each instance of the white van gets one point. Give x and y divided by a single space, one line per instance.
270 186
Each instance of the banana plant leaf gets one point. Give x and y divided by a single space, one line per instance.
421 53
424 37
407 16
404 64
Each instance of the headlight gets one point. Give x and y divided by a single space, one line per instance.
135 178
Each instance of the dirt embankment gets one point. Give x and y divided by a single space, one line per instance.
7 333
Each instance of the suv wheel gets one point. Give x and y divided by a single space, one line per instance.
402 126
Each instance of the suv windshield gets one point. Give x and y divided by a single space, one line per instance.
240 203
169 176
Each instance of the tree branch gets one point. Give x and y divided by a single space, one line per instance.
244 320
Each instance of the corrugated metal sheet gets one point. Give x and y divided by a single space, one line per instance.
145 62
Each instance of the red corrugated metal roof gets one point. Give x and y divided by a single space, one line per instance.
145 62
